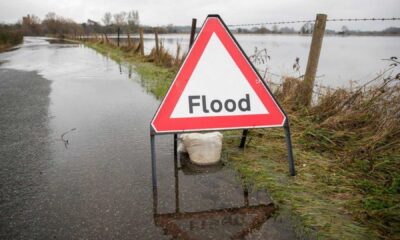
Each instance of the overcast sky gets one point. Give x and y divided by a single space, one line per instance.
180 12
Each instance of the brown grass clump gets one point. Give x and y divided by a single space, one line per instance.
164 58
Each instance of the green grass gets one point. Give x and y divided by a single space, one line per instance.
348 180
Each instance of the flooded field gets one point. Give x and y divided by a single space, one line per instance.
79 167
343 59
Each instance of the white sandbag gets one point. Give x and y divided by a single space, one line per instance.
181 146
203 148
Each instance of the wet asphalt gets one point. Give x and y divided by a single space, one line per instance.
24 146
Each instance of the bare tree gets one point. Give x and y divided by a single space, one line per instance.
50 16
307 28
58 25
31 25
119 18
107 18
133 20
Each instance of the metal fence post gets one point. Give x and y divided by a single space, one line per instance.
119 30
192 32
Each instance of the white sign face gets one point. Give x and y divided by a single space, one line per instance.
217 87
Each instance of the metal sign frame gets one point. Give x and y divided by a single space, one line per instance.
285 125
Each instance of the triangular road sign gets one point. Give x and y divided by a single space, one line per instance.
217 88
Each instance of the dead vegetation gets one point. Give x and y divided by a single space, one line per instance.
347 150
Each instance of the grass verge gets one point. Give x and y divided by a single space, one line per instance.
346 148
9 38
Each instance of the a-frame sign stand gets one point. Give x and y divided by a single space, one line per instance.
217 88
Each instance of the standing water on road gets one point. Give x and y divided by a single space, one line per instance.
79 166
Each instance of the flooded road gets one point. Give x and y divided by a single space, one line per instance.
75 159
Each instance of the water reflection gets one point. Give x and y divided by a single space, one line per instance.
215 223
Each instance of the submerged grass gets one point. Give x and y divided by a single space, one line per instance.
346 148
156 78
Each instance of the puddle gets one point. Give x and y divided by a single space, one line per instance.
239 216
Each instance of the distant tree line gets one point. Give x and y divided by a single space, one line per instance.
52 24
56 25
308 28
125 21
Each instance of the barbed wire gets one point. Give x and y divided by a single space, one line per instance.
309 21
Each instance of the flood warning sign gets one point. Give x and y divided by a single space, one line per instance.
216 88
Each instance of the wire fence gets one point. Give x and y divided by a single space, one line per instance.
313 20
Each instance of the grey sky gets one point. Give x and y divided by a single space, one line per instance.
179 12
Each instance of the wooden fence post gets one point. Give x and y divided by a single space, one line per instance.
313 58
129 40
157 46
141 42
178 53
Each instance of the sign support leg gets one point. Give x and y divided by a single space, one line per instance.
244 136
246 196
155 202
153 161
175 144
176 173
289 146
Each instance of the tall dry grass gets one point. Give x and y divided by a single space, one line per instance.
360 130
